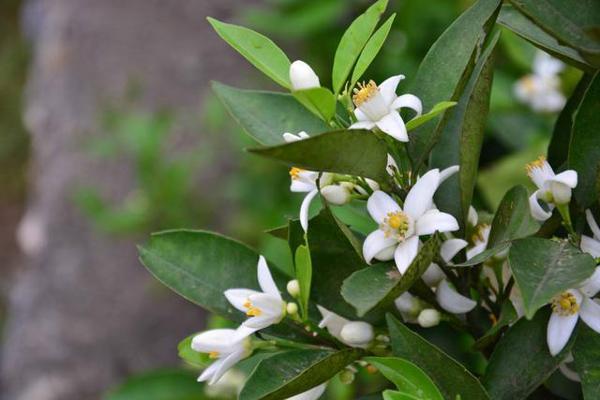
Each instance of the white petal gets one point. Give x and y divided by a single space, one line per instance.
304 208
312 394
290 137
435 220
209 372
333 322
591 286
473 217
302 76
269 305
265 280
433 275
590 246
388 88
448 172
386 254
420 197
391 165
452 301
541 173
361 116
363 125
393 125
406 303
475 250
592 224
302 186
237 297
375 243
380 204
568 178
219 340
451 247
224 364
409 101
405 253
537 211
590 313
568 372
559 331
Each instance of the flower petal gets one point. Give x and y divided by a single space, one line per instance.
408 101
590 313
559 331
393 125
333 322
209 372
406 252
435 220
375 243
304 208
388 88
219 340
380 204
448 172
238 297
362 125
568 178
433 275
420 197
265 280
451 247
591 286
311 394
224 364
452 301
592 223
590 246
301 186
537 211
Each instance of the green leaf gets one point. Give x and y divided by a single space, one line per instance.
320 101
461 139
407 377
258 49
574 23
352 152
159 385
435 110
525 28
452 378
586 352
543 268
508 315
521 360
304 276
292 372
265 116
190 356
371 50
394 395
584 152
379 285
442 70
353 41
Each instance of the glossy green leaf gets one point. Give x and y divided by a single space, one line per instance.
258 49
352 152
435 110
379 285
292 372
462 138
394 395
584 152
408 378
159 385
320 101
353 41
508 315
371 50
521 360
543 268
525 28
586 352
192 357
265 116
304 276
513 218
441 72
452 378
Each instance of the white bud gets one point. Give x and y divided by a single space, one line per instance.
429 317
292 308
357 333
408 304
372 184
302 76
472 217
560 192
293 288
336 194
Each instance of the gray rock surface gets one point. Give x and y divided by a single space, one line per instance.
83 312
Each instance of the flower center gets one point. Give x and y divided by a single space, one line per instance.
213 354
479 235
364 92
396 225
252 311
295 173
528 84
565 304
535 165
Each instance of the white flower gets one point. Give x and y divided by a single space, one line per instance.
377 107
264 308
541 90
332 322
433 274
480 240
311 394
357 334
567 307
225 346
339 194
230 384
429 318
302 76
552 189
399 229
591 245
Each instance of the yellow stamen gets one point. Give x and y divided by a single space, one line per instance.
295 172
213 354
247 304
537 164
565 304
478 235
364 92
254 312
395 224
528 83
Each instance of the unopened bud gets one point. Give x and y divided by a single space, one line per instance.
429 318
291 308
293 288
336 194
357 333
347 377
408 304
302 76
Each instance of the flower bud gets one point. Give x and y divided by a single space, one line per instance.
428 318
291 308
561 193
408 304
372 184
293 288
336 194
302 76
357 334
346 377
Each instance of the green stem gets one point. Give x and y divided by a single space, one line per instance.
563 209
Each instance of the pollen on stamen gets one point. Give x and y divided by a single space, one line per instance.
363 92
213 354
295 172
537 164
247 304
254 312
478 235
396 224
565 304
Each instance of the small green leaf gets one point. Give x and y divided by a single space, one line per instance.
407 377
320 101
258 49
371 50
521 360
292 372
265 116
435 110
379 285
352 152
190 356
452 378
513 218
586 352
543 268
159 385
353 41
304 276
